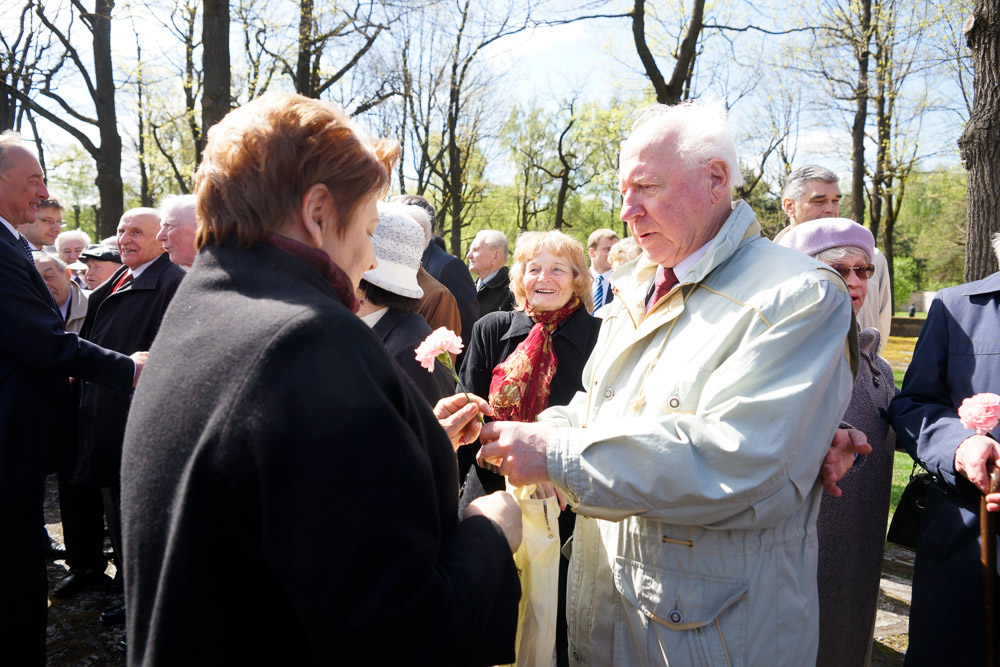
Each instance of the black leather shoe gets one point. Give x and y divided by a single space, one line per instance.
113 615
76 581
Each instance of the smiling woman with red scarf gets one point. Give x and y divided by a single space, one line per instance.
533 357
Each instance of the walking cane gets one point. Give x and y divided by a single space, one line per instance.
988 558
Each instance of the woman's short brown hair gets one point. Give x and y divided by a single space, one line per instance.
531 244
263 157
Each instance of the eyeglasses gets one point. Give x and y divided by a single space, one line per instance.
862 272
50 221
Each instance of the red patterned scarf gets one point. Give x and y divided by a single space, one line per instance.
520 386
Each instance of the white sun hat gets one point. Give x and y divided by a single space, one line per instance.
399 243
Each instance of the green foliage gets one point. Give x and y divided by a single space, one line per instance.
905 279
931 230
71 180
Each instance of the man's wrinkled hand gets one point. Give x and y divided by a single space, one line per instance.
518 449
971 457
847 444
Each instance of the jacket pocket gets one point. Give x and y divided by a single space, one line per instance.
685 619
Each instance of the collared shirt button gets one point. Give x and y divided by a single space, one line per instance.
609 393
675 616
675 402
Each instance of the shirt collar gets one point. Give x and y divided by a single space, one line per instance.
371 319
685 265
136 272
9 226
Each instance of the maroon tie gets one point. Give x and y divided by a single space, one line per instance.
127 276
665 280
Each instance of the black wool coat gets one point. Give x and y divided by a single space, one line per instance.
126 321
495 337
401 333
495 294
267 424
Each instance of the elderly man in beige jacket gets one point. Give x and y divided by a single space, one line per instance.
712 396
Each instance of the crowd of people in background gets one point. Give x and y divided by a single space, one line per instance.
229 387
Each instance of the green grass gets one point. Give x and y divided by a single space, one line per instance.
917 315
897 376
901 467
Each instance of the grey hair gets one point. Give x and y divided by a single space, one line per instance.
37 255
179 206
8 139
493 239
77 234
795 183
840 253
702 132
417 200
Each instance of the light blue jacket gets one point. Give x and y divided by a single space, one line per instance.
693 455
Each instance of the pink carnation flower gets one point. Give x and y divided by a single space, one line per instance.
980 412
440 341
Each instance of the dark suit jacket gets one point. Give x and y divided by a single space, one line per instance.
452 272
37 356
401 333
957 356
269 410
495 293
126 321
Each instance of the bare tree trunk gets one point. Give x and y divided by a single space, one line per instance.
109 155
980 142
303 64
860 116
145 196
676 90
216 97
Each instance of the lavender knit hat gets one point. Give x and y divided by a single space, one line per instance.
815 236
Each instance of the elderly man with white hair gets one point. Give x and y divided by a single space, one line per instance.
487 259
177 228
692 458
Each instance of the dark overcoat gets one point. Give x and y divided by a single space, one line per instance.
495 294
956 356
125 321
401 333
37 358
252 507
452 272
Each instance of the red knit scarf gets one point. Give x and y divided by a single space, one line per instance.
319 260
520 386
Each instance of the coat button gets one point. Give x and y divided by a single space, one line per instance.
675 616
875 381
675 402
609 393
576 656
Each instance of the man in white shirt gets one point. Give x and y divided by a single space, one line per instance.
598 244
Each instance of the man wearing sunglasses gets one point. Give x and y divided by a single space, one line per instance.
812 192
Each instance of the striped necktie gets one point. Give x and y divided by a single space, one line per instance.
599 292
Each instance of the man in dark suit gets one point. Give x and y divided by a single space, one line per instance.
447 269
124 314
487 259
955 358
37 356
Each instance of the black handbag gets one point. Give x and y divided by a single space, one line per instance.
905 527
